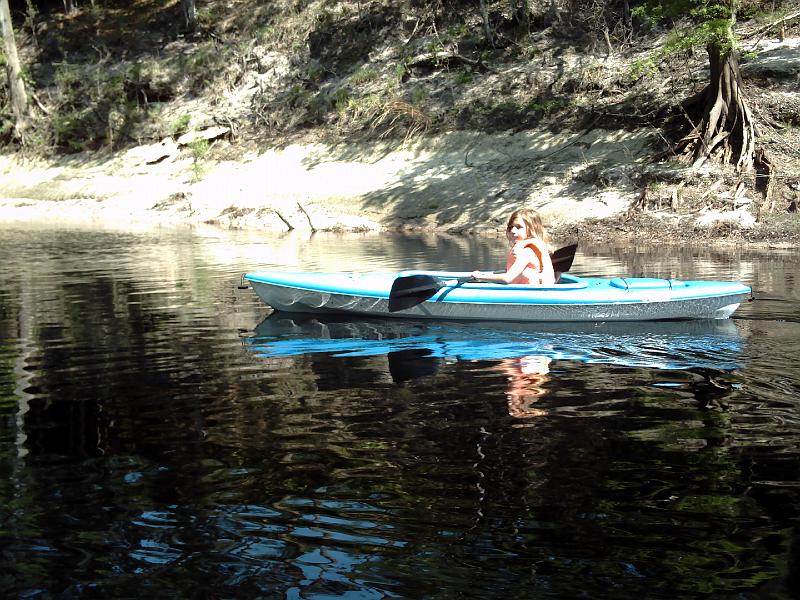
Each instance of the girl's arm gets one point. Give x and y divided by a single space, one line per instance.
524 257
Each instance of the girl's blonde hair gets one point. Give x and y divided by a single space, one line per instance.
531 219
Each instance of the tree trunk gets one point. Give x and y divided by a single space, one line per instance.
726 128
190 15
19 99
486 28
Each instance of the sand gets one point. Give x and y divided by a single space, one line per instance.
460 181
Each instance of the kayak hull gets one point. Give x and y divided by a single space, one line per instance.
575 299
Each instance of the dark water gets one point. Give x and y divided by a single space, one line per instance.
159 436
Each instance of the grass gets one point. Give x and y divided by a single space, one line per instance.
363 75
180 124
198 148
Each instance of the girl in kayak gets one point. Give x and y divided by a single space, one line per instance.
529 258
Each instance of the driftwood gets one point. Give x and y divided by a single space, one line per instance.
282 218
208 134
762 31
675 199
310 224
765 178
38 102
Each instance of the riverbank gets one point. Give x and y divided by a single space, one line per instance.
584 184
457 181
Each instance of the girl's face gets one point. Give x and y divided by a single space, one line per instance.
517 231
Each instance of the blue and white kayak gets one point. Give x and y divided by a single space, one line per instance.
572 299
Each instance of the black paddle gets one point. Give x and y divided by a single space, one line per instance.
562 259
415 289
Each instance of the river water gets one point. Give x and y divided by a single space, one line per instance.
161 434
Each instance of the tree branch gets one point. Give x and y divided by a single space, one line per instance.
310 224
282 218
761 32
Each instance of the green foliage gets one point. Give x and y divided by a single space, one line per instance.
456 33
697 24
751 10
419 95
665 10
180 124
6 126
314 70
209 13
711 22
547 106
67 133
298 97
400 70
198 148
363 75
463 77
643 68
204 67
352 108
341 99
434 46
30 18
93 107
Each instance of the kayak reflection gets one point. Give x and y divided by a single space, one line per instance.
416 348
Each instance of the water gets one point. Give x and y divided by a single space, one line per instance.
159 435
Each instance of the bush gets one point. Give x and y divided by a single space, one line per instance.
92 109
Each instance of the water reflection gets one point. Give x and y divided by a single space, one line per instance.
157 431
664 345
527 378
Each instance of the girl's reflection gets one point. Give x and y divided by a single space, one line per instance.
527 376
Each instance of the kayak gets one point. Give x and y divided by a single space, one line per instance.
710 344
451 295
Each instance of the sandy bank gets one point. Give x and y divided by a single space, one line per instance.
457 181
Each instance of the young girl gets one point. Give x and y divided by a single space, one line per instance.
529 258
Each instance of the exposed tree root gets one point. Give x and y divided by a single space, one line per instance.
765 181
726 131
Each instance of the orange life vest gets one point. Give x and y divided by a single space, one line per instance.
532 272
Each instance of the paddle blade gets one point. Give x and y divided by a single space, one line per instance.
412 290
563 257
412 363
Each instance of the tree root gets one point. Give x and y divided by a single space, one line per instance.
726 131
765 179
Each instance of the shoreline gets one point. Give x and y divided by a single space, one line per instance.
463 183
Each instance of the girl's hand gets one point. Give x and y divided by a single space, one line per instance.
476 275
